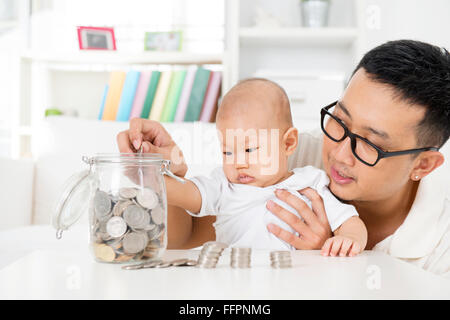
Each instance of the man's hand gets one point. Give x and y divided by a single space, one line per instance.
313 231
342 246
154 139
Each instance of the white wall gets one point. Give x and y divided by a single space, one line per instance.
425 20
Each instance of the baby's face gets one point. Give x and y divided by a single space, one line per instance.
253 150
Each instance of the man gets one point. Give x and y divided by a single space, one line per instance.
380 148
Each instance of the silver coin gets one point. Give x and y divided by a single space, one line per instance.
210 254
215 244
152 264
116 227
155 233
179 262
136 217
149 227
128 193
191 263
147 198
153 245
102 204
134 242
132 267
164 265
157 215
120 207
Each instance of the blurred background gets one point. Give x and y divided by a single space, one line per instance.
54 95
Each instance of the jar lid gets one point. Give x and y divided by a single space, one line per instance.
73 202
126 158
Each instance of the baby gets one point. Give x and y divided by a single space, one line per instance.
255 128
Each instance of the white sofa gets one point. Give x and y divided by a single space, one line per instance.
30 188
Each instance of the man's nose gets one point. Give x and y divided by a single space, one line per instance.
343 152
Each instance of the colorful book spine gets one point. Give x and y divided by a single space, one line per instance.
115 84
102 105
161 95
173 96
197 95
211 97
151 91
127 97
141 93
185 94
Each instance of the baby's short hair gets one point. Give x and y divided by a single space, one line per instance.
282 96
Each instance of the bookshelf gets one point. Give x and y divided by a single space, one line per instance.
48 81
249 51
78 60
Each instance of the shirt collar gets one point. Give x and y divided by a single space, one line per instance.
425 223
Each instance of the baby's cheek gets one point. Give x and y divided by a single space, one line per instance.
228 171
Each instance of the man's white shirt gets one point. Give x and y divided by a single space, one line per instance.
424 237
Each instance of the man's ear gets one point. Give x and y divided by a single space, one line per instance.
290 140
425 163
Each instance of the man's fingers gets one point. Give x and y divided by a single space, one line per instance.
298 204
316 203
135 132
124 143
148 147
291 219
286 236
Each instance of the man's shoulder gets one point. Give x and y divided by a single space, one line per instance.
309 150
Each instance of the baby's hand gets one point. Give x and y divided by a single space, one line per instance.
342 246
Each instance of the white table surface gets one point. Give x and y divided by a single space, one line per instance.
34 265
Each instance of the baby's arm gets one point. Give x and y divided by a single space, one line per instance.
349 239
185 195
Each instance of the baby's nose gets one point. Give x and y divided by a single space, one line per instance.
241 164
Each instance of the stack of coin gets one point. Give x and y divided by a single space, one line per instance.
210 254
280 259
240 257
128 225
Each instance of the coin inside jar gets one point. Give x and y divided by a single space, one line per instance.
155 232
120 207
116 227
157 215
104 252
147 198
102 204
136 217
134 242
128 193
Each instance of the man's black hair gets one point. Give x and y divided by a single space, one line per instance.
419 73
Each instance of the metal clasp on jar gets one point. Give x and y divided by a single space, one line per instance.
165 170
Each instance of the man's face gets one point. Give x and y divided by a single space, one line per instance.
373 111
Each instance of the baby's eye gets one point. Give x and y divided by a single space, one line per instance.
227 153
251 149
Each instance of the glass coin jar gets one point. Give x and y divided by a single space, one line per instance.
125 196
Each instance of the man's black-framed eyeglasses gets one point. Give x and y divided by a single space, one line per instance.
364 150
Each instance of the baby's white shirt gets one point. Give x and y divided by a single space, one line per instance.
241 213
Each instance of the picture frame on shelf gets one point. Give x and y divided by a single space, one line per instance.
96 38
163 41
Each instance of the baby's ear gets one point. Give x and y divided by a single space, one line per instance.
290 140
